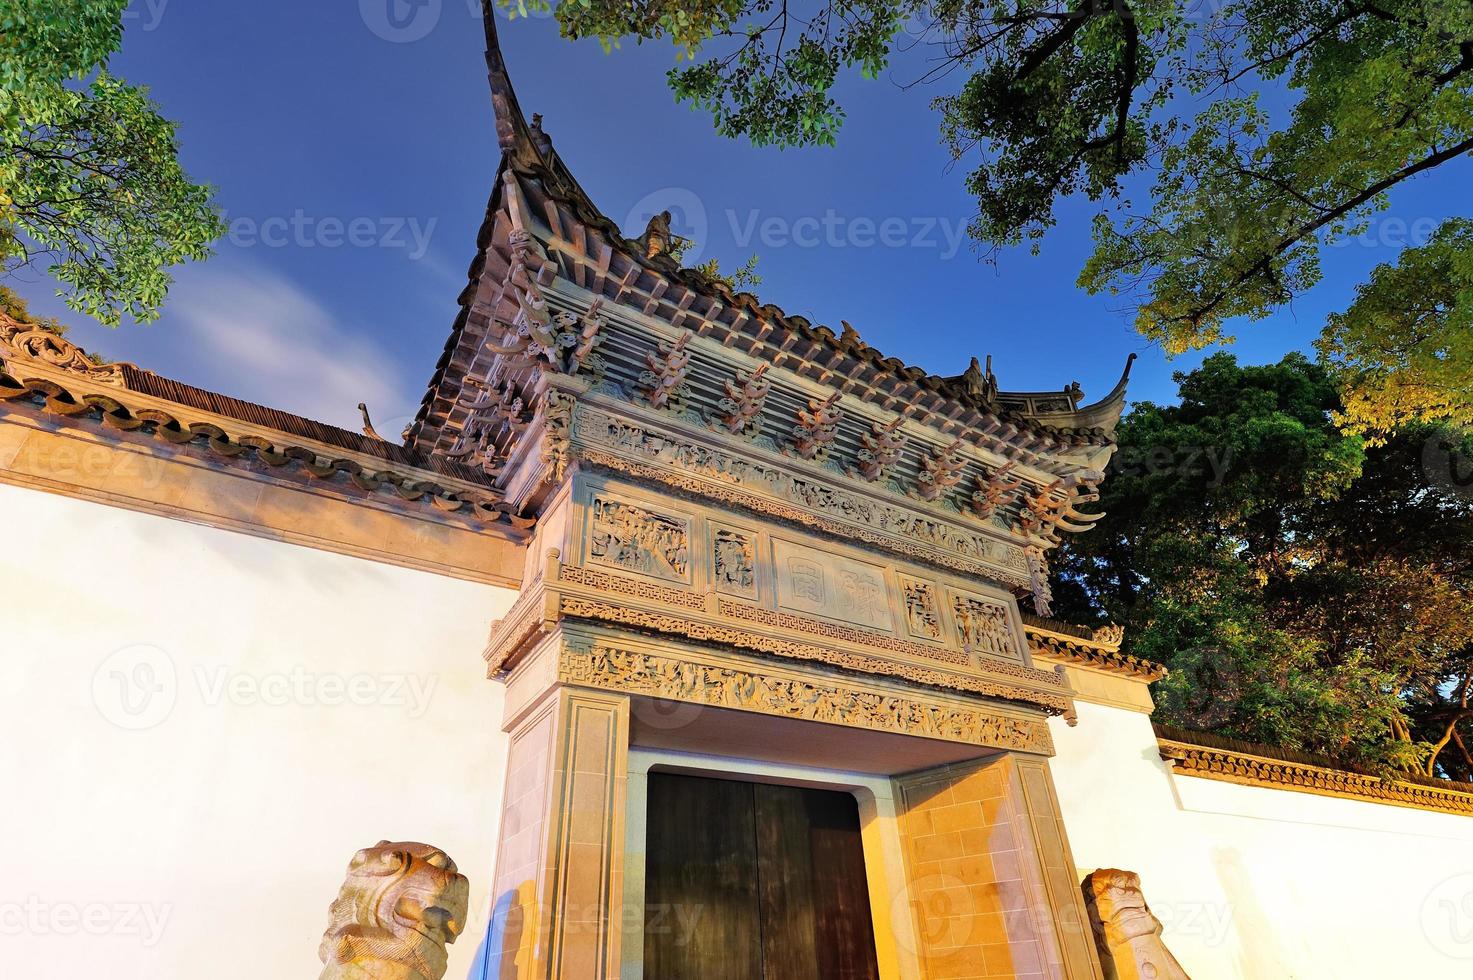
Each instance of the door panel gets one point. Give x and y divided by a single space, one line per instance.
784 862
843 924
747 881
701 919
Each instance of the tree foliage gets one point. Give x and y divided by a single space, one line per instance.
1404 349
1261 131
90 182
1306 589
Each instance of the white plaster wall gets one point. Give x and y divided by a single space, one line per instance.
301 705
1268 884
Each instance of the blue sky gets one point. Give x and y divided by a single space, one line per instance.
354 158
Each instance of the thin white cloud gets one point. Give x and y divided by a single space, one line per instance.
262 338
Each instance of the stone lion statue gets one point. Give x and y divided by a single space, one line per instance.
1128 935
398 908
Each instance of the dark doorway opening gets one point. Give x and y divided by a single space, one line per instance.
749 881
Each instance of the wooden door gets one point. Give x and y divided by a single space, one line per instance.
746 881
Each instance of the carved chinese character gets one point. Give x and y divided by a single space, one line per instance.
807 579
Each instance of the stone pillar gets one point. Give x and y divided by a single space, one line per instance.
990 875
559 871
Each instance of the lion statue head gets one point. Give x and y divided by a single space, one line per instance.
1128 935
399 907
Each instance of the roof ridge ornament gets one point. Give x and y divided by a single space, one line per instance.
743 402
817 427
34 342
881 448
993 487
664 382
940 471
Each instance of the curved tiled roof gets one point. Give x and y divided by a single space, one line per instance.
527 151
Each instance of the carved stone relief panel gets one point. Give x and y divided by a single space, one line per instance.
922 610
832 586
734 562
984 626
638 539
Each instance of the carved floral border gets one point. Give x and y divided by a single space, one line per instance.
631 672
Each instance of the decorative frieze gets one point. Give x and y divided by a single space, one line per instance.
840 631
741 409
922 613
557 435
1035 687
750 483
1038 583
817 427
880 450
636 539
721 686
983 626
734 562
632 587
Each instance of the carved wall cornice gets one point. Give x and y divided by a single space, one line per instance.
1251 770
42 387
820 698
1063 648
